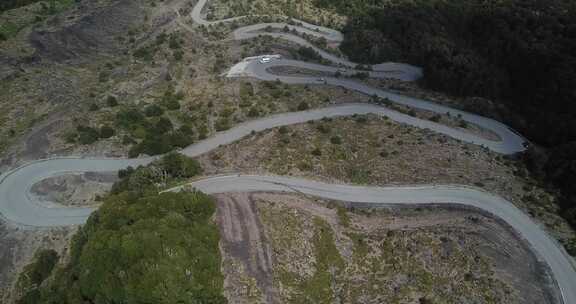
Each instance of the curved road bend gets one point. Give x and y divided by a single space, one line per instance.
331 35
546 247
18 205
510 142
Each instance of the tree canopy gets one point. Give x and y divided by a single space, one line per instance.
519 53
142 246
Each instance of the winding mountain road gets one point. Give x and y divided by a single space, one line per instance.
546 247
332 37
18 205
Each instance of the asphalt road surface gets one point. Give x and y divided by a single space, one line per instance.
546 247
19 206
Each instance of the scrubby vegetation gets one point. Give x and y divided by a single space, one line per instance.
141 246
11 26
51 5
34 275
366 149
151 131
319 261
170 168
521 54
303 10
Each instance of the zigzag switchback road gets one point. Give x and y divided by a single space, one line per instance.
332 36
510 142
18 205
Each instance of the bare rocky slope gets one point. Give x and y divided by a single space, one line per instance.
95 32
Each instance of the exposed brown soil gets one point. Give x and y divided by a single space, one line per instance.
75 189
472 257
244 242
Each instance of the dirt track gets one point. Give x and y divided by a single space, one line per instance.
465 246
244 240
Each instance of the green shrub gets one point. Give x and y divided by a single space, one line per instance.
130 117
163 126
111 101
343 217
172 105
170 99
178 55
34 275
153 110
127 140
222 124
106 132
323 128
246 90
254 112
145 53
175 42
87 135
179 139
336 140
154 146
180 166
103 76
186 129
93 107
316 152
361 75
161 38
303 106
308 53
144 248
134 151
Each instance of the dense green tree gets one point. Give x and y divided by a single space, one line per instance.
34 275
141 246
160 248
129 117
87 135
180 166
153 110
163 125
308 53
519 53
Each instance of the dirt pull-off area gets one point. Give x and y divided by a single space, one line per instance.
286 248
74 189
